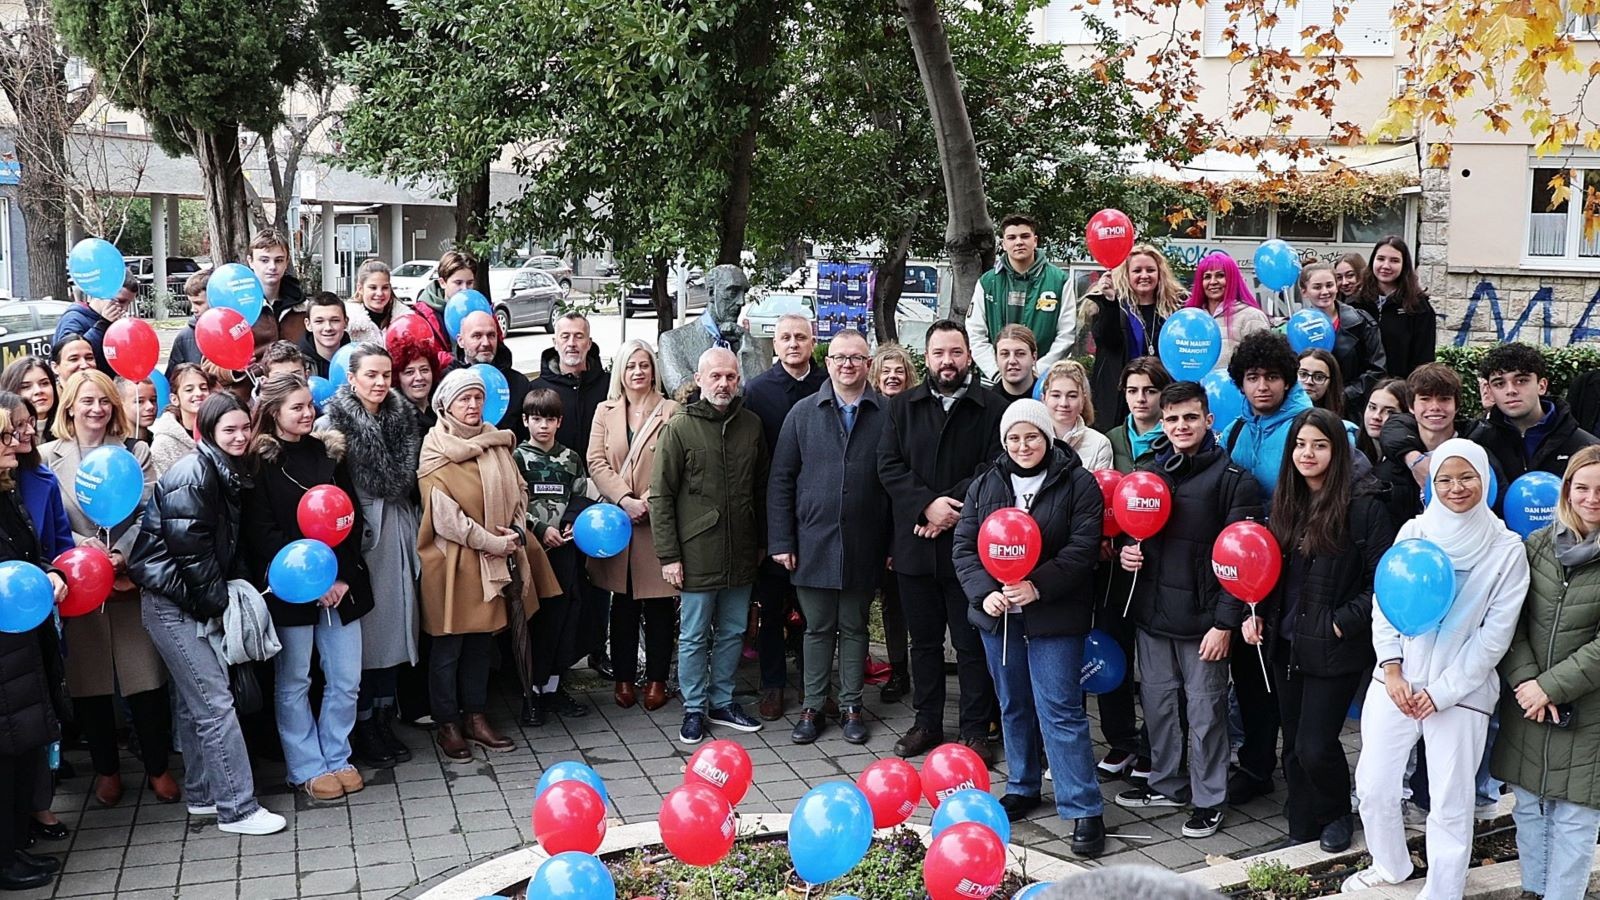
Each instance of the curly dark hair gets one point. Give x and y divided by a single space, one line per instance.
1508 359
1263 350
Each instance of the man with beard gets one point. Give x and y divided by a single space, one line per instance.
480 343
938 436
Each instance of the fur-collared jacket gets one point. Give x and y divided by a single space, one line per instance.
381 450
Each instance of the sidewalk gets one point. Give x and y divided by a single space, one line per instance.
428 817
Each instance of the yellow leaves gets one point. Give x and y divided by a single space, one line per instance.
1591 139
1560 191
1591 213
1562 131
1224 206
1439 155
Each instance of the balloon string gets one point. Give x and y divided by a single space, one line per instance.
1005 635
1261 655
1129 605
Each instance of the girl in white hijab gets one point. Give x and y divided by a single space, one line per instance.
1441 685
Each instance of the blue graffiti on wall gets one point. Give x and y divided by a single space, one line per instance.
1543 300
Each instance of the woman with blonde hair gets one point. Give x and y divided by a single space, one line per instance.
110 652
1125 313
1067 395
1550 719
622 450
372 308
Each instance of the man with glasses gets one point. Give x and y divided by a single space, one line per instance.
91 316
827 526
770 396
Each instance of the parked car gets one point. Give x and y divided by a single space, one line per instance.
639 298
179 268
763 314
411 278
27 327
533 298
555 267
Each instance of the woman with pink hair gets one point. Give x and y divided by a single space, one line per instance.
1220 289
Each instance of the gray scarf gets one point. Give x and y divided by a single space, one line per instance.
1573 551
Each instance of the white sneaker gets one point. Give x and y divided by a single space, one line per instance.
1485 812
203 810
262 821
1362 880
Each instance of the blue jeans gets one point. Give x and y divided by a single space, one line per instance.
317 745
710 637
1555 844
1038 690
1488 785
216 765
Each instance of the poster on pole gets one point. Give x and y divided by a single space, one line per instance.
844 297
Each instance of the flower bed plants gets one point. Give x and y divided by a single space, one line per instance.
1276 881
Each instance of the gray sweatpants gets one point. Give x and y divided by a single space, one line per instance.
1170 671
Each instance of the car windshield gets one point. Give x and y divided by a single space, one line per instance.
412 270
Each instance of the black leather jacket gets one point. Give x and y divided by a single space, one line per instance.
188 542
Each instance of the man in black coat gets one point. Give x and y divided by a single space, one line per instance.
1525 431
827 525
572 368
770 396
940 434
479 342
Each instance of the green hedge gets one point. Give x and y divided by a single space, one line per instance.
1564 363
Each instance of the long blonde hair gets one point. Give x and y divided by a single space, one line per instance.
620 363
1568 516
1073 370
1169 292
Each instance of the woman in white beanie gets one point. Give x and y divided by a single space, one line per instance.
1033 630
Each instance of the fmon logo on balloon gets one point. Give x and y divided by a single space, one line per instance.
1225 573
969 888
944 793
1007 551
712 773
1140 504
1107 232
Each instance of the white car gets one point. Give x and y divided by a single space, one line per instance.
411 278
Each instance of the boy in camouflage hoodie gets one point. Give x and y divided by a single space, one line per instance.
558 489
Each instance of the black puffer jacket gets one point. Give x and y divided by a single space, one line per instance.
1337 591
1505 446
30 662
581 395
187 549
1070 510
1177 595
286 470
1358 348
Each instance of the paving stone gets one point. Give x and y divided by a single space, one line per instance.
325 858
387 876
276 887
200 871
266 865
99 838
319 838
93 860
453 846
382 852
337 881
147 877
430 826
102 883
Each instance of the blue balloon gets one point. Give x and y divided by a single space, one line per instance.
571 770
1190 344
973 805
1033 891
1530 502
97 268
302 571
234 286
1104 663
322 390
830 831
1415 586
463 304
1277 265
26 596
109 485
496 393
158 380
1309 328
573 876
603 530
339 366
1223 398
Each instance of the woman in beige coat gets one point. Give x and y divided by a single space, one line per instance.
109 651
622 450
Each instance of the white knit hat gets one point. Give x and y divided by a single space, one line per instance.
453 385
1031 411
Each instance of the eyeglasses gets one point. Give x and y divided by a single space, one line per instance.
8 437
1465 481
854 359
1313 377
1030 439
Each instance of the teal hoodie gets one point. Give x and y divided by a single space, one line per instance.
1259 446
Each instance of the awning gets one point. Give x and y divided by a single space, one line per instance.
1220 167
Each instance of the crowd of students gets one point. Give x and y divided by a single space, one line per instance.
807 495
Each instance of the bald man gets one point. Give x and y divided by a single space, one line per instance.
479 342
707 496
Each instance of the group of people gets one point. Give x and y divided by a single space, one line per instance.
814 492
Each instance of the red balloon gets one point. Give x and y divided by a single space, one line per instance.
950 768
965 861
1009 544
325 514
1108 480
1142 504
723 765
569 815
409 327
1247 560
1110 235
225 338
89 575
893 790
697 824
132 348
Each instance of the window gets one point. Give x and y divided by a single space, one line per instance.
1376 223
1365 31
1243 222
1556 227
1059 22
1296 225
1583 26
116 128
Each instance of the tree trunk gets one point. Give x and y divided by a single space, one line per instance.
891 281
227 198
665 310
43 204
472 222
969 233
736 206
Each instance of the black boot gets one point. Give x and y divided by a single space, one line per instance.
367 745
535 711
384 717
1089 837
